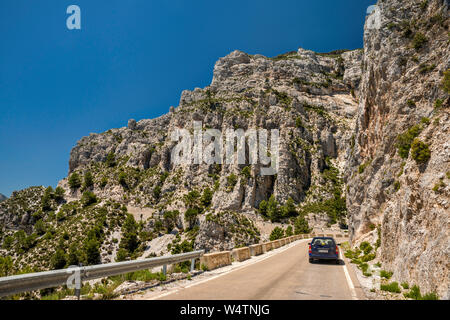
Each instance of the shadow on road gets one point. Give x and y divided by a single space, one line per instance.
329 262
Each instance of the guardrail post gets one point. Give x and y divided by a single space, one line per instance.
165 269
192 264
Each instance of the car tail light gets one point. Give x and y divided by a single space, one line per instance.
309 248
337 250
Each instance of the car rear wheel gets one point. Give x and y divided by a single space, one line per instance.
311 260
337 261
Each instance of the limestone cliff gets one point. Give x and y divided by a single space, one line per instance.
394 181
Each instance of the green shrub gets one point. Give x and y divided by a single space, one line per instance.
170 218
391 287
430 296
46 200
231 182
246 172
204 267
7 242
438 103
363 167
405 285
419 41
58 260
191 199
206 197
129 241
88 180
157 192
6 266
424 4
191 216
425 121
439 185
420 151
397 186
92 251
365 247
298 122
405 139
277 233
73 257
301 225
446 81
368 257
39 227
424 68
386 274
411 103
88 198
59 193
103 182
288 209
273 209
110 159
289 231
414 293
122 179
122 255
263 207
74 181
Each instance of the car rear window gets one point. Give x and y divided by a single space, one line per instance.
323 242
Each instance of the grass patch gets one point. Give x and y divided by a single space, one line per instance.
386 274
391 287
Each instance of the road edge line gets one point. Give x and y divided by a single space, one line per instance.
349 280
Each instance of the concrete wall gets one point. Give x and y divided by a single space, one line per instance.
256 249
276 244
267 246
241 254
220 259
216 259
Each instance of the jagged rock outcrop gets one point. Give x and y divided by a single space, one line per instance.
3 197
307 96
402 86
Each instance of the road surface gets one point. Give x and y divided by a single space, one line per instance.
287 275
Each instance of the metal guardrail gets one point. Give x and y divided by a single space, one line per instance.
48 279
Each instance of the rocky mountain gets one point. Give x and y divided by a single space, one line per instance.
3 197
398 171
363 142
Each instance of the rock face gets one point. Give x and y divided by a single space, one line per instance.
16 212
403 68
306 96
3 197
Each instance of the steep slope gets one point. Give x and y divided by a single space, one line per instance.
3 197
397 183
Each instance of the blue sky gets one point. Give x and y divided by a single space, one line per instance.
132 59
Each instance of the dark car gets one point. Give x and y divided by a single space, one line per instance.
323 248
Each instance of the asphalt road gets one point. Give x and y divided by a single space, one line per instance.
287 275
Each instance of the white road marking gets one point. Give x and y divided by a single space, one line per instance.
229 271
349 280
